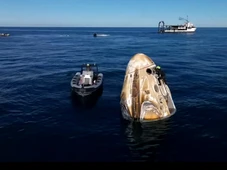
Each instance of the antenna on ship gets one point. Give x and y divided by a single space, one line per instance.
180 18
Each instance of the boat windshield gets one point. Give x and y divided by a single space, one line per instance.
89 67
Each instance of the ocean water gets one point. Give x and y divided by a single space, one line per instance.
40 121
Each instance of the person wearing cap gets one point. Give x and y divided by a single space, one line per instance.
88 67
161 74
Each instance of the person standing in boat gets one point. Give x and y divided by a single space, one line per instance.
161 74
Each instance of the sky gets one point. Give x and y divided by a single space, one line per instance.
112 13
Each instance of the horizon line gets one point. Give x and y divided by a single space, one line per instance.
103 26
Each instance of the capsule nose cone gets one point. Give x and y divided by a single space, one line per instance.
139 61
140 56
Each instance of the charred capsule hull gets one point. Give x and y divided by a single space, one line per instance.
143 98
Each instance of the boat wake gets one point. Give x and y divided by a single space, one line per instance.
64 35
103 35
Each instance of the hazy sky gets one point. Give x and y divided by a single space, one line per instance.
109 13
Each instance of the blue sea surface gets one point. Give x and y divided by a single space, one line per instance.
40 121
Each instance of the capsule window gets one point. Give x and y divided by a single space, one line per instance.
149 71
156 88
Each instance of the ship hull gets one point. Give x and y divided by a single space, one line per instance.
181 31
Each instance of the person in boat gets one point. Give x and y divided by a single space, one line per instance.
161 74
95 35
88 68
5 34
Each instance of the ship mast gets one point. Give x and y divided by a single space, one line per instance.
180 18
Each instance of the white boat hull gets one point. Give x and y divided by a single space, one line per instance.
83 91
180 31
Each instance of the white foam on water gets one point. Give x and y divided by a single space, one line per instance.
103 35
